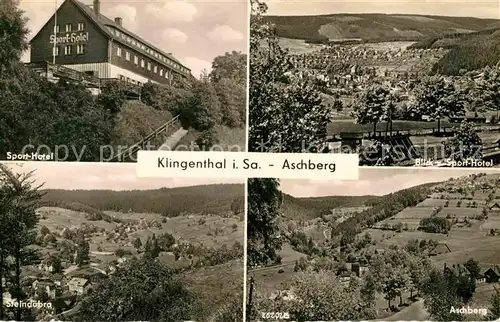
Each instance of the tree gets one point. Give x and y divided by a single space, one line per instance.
495 305
202 110
137 243
14 34
439 295
120 252
286 113
165 242
321 297
489 89
44 231
438 99
143 290
230 66
264 201
464 144
372 105
238 205
18 220
82 252
473 268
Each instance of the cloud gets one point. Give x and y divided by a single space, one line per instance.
175 35
173 11
197 65
224 33
126 12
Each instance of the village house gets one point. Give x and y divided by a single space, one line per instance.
359 270
59 279
78 286
46 286
492 274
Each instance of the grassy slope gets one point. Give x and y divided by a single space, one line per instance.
137 120
375 26
215 286
206 199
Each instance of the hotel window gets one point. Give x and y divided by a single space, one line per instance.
127 55
128 39
161 72
142 47
134 42
81 26
149 66
56 28
123 36
142 63
117 33
155 69
68 27
119 52
136 60
56 50
80 49
67 50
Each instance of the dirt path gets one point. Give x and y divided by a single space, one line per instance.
415 312
172 141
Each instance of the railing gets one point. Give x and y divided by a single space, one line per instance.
139 145
65 72
367 134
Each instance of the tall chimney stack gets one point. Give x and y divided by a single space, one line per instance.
118 21
97 7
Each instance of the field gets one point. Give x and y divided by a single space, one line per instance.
207 230
298 46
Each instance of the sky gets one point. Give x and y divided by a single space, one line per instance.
375 181
102 176
464 8
194 31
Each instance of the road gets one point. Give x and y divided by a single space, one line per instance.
269 268
415 312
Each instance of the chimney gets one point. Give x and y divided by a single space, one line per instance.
97 7
118 21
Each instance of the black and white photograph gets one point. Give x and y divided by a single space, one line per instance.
99 80
91 242
400 244
401 83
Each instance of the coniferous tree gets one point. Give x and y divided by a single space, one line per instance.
264 201
18 219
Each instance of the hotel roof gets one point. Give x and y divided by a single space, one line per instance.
103 23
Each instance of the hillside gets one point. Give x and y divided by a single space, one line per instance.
466 52
375 27
311 208
136 120
214 199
